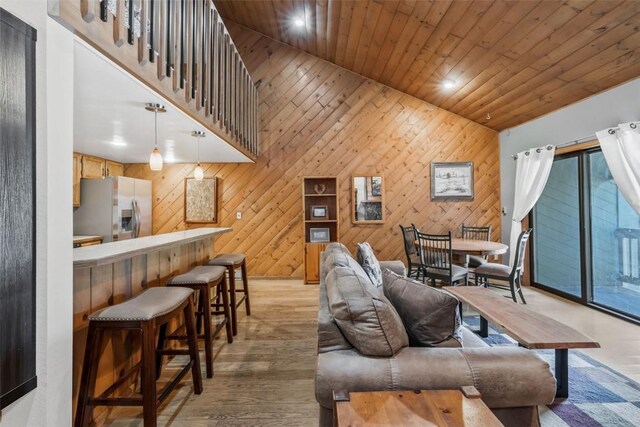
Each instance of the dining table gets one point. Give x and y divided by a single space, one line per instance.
462 248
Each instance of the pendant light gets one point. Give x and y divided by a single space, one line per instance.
155 159
198 173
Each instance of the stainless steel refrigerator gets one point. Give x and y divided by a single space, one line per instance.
116 208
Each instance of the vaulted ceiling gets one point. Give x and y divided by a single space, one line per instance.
508 61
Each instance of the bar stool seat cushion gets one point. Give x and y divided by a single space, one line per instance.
200 275
227 259
150 304
494 269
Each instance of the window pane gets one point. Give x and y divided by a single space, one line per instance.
556 230
615 233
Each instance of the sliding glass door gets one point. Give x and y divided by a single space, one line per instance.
615 233
599 266
557 231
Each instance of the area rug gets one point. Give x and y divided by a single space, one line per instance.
598 395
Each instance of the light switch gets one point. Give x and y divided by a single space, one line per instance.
238 215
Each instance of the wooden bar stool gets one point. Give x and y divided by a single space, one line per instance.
233 262
143 314
202 279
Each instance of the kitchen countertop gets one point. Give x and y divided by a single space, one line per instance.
111 252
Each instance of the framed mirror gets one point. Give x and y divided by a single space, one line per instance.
367 201
200 201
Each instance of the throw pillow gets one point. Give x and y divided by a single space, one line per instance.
341 257
365 317
369 263
430 315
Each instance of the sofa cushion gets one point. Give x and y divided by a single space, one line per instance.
430 315
339 256
363 314
367 259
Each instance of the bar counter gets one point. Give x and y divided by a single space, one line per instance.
111 273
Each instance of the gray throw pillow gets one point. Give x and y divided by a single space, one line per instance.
369 263
430 315
365 317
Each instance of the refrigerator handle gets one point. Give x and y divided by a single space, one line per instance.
138 225
134 227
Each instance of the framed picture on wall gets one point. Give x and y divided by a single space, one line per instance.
200 201
319 235
452 181
319 212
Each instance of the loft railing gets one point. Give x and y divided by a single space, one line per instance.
179 48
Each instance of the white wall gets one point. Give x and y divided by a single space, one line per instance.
576 121
50 403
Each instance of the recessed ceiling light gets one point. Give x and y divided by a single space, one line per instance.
448 84
298 22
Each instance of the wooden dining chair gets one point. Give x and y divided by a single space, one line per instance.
412 251
436 256
476 233
503 272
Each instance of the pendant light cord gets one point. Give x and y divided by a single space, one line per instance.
155 127
198 141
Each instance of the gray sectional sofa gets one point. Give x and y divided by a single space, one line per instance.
512 381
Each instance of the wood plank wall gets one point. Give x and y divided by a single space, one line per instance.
319 119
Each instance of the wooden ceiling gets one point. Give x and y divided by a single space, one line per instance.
511 60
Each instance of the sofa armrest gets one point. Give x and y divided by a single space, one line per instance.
395 266
505 377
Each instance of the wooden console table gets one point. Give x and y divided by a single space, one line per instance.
445 408
530 329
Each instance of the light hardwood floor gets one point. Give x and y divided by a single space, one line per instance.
265 377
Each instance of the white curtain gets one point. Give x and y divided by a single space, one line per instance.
532 171
621 149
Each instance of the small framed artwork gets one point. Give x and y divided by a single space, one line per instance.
452 181
319 212
319 235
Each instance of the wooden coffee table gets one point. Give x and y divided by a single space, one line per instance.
412 408
530 329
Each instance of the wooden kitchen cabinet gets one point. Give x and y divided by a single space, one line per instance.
92 167
113 168
77 173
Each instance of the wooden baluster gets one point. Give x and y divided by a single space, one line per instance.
176 56
227 83
199 49
188 31
214 65
243 111
161 40
256 137
119 24
143 40
232 111
207 62
236 97
88 10
153 23
220 75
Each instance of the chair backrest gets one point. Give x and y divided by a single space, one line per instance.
435 250
521 246
476 233
409 238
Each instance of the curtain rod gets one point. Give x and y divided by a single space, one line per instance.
576 141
